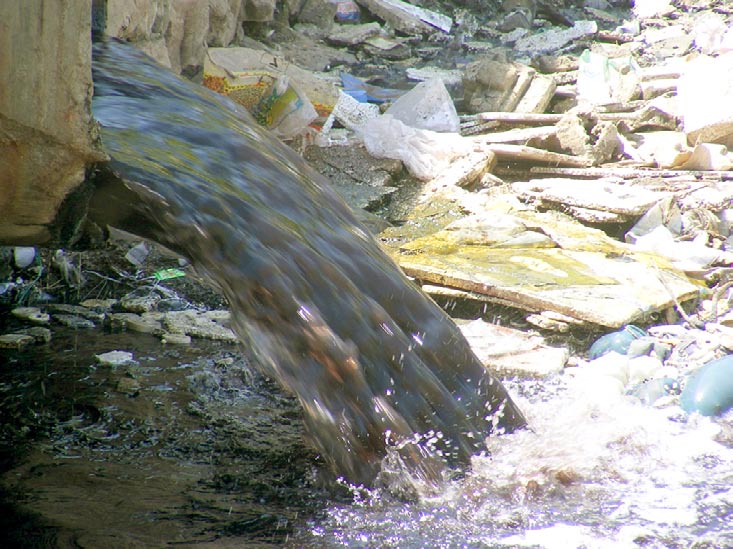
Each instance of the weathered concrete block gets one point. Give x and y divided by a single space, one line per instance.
46 138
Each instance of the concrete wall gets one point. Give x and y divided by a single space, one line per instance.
46 138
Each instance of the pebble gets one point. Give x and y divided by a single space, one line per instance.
31 314
115 358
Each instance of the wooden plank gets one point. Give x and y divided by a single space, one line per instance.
522 153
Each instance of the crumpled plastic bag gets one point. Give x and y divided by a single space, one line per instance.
427 106
602 80
425 153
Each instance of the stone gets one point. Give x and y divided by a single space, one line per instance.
128 385
24 256
31 314
193 324
77 310
73 321
39 334
144 325
318 12
175 339
115 358
15 341
139 304
99 305
394 14
119 321
512 352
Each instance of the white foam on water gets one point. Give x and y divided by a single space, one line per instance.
596 470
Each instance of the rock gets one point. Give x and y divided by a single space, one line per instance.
115 358
73 321
651 391
128 385
24 256
258 10
39 334
555 38
709 390
396 15
144 325
511 352
99 305
139 303
176 33
119 321
31 314
15 341
351 35
318 12
175 339
77 310
618 342
193 324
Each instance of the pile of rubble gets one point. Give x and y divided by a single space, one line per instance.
586 181
568 160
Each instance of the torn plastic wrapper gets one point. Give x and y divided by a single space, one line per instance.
367 93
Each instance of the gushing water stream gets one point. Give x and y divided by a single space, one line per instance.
374 363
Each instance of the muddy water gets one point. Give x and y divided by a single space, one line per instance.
321 308
185 446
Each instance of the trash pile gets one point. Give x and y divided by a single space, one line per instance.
574 165
570 159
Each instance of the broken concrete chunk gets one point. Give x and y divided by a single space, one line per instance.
538 96
589 277
704 91
709 156
507 351
397 16
604 195
555 38
664 148
351 35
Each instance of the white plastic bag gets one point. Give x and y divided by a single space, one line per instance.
427 106
425 153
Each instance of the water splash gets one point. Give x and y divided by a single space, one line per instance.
591 473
